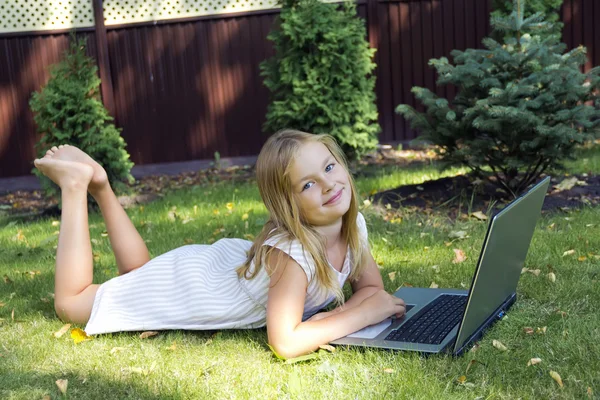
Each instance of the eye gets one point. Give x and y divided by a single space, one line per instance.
307 186
329 167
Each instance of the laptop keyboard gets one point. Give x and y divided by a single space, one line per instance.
433 322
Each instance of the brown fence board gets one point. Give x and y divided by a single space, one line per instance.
185 89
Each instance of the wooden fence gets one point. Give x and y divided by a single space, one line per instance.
182 89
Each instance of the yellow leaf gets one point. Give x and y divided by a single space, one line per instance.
372 192
557 378
216 212
229 206
392 276
249 236
459 256
590 392
173 346
327 347
245 217
581 258
541 331
479 215
188 241
497 344
388 371
104 234
62 330
568 253
20 237
2 304
462 379
534 361
79 335
147 334
116 349
458 235
62 385
55 223
433 285
552 277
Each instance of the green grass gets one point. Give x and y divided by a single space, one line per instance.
237 364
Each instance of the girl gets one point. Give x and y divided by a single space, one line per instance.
315 239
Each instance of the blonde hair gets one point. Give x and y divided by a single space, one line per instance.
285 219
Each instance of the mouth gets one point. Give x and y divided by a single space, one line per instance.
334 198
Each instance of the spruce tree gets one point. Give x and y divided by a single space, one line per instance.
521 106
550 10
69 110
320 76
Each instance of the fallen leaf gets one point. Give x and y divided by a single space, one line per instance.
590 392
462 379
147 334
497 344
104 234
55 223
433 285
436 268
12 314
116 349
459 256
581 258
557 378
475 347
535 272
534 361
229 206
79 335
366 203
245 217
479 215
47 397
188 241
551 226
173 346
528 330
541 331
562 313
458 235
7 279
62 331
471 363
566 184
327 347
305 357
62 385
552 277
2 304
392 276
568 253
388 371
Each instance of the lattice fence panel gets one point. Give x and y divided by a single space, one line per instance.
37 15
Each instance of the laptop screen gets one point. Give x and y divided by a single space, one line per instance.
500 262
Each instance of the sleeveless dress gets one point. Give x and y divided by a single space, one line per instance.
196 287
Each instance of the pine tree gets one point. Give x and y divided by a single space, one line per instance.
68 110
320 76
550 10
522 106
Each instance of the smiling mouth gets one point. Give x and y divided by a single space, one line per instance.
335 197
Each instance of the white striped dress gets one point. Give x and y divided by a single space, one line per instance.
196 287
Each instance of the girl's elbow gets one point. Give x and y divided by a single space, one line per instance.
286 349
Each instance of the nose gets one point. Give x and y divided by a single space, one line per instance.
329 185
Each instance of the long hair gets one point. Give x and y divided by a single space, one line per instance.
285 218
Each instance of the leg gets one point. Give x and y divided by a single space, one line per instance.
74 291
127 244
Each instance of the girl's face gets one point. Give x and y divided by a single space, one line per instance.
320 185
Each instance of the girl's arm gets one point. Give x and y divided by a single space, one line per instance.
290 337
369 283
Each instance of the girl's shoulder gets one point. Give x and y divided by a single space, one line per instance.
294 249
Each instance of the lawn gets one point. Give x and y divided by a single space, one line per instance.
555 321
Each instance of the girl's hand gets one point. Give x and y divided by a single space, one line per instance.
382 305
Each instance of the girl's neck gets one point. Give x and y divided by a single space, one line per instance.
332 233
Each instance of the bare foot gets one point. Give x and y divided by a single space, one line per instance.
71 153
69 175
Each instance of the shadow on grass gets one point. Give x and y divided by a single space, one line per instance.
32 384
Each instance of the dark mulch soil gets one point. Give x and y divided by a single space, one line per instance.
458 194
453 196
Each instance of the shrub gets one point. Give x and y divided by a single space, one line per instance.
520 107
319 77
68 110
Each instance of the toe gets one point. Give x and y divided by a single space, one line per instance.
49 153
54 148
61 146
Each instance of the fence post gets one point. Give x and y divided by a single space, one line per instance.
106 86
373 24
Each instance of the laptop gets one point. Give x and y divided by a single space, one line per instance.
451 320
